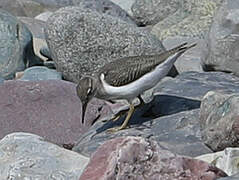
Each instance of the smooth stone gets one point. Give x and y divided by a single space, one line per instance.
48 108
223 40
219 120
43 16
138 158
191 19
15 45
99 40
227 160
28 156
38 73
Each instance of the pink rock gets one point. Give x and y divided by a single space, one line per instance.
49 108
138 159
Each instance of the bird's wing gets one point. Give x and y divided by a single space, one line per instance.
125 70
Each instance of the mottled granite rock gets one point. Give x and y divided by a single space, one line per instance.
191 19
82 40
223 40
28 156
139 158
50 109
227 160
37 73
219 120
15 45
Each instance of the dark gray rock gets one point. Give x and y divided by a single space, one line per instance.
37 73
82 40
191 18
172 118
139 158
223 40
15 45
219 120
27 8
28 156
105 7
35 26
1 80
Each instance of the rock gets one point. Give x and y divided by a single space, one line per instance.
219 120
227 160
105 7
37 73
82 40
15 45
1 80
35 26
125 5
223 39
49 108
44 16
234 177
186 18
138 158
28 156
55 3
172 118
27 8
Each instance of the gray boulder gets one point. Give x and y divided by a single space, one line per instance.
28 156
125 5
219 120
15 43
223 40
139 158
37 73
82 40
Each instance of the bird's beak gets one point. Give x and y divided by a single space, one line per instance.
84 105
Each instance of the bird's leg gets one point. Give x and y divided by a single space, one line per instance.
123 126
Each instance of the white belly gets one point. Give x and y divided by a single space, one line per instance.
149 80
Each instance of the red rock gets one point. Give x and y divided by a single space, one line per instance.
49 108
136 158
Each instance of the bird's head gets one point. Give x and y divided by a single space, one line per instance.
86 90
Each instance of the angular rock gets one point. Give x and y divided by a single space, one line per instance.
15 45
35 26
125 5
37 73
44 16
188 18
82 40
138 158
219 120
223 40
28 156
27 8
172 118
50 109
105 7
226 160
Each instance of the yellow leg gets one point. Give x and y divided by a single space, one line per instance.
123 126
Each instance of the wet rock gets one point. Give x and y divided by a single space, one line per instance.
138 158
223 40
37 73
15 45
82 40
219 120
28 156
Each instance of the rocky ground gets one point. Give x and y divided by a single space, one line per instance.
187 129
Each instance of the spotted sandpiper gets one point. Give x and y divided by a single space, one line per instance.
127 78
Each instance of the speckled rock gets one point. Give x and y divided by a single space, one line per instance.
219 120
28 156
15 45
105 7
223 40
190 19
37 73
125 5
49 108
82 40
138 158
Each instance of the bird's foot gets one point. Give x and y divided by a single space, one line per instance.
115 129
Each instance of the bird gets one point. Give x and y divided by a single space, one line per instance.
127 78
